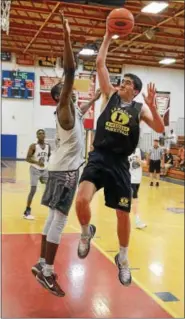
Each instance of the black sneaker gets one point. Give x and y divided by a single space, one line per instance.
151 184
50 283
124 274
157 184
84 243
36 269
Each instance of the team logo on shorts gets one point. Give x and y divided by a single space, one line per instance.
124 202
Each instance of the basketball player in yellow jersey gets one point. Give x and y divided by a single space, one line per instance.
38 156
116 137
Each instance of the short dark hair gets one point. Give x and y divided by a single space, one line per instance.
137 81
55 91
40 129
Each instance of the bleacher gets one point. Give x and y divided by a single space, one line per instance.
173 172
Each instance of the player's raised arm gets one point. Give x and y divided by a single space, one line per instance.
66 112
103 74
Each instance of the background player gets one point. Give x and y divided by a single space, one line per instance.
136 160
38 156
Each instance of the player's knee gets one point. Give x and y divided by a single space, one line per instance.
82 201
122 215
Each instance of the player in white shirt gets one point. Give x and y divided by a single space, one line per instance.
136 162
63 168
171 139
38 156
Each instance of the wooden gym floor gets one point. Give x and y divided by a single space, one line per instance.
92 289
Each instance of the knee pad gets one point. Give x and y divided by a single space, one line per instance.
48 221
57 226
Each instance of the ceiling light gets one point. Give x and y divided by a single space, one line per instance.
114 37
87 52
167 61
155 7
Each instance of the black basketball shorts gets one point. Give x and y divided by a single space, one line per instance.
155 166
110 172
60 190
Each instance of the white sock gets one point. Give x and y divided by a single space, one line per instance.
42 261
137 218
48 270
123 254
85 230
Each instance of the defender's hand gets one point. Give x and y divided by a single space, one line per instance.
65 23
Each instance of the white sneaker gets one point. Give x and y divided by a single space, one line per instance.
84 243
124 273
140 224
29 217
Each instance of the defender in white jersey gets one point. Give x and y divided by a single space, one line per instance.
136 160
63 168
38 156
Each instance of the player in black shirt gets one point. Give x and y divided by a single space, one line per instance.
116 137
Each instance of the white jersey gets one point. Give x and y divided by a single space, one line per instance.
68 154
42 155
136 173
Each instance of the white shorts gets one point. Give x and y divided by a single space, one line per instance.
38 175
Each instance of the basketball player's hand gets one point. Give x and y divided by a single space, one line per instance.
41 163
150 97
97 94
65 24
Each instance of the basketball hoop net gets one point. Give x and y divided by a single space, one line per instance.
5 13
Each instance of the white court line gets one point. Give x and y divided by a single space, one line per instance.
148 292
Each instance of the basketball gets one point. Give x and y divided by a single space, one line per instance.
120 22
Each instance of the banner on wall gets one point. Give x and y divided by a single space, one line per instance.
163 106
47 82
6 56
17 84
90 66
115 80
46 99
84 96
24 59
47 61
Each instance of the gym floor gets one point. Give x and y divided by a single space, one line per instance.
92 288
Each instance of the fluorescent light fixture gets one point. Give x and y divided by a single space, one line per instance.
87 52
114 37
155 7
167 61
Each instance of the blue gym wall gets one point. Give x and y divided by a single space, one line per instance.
9 146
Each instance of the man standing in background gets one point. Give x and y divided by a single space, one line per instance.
38 156
136 160
155 160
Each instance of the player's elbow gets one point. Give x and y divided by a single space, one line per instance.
99 62
160 128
